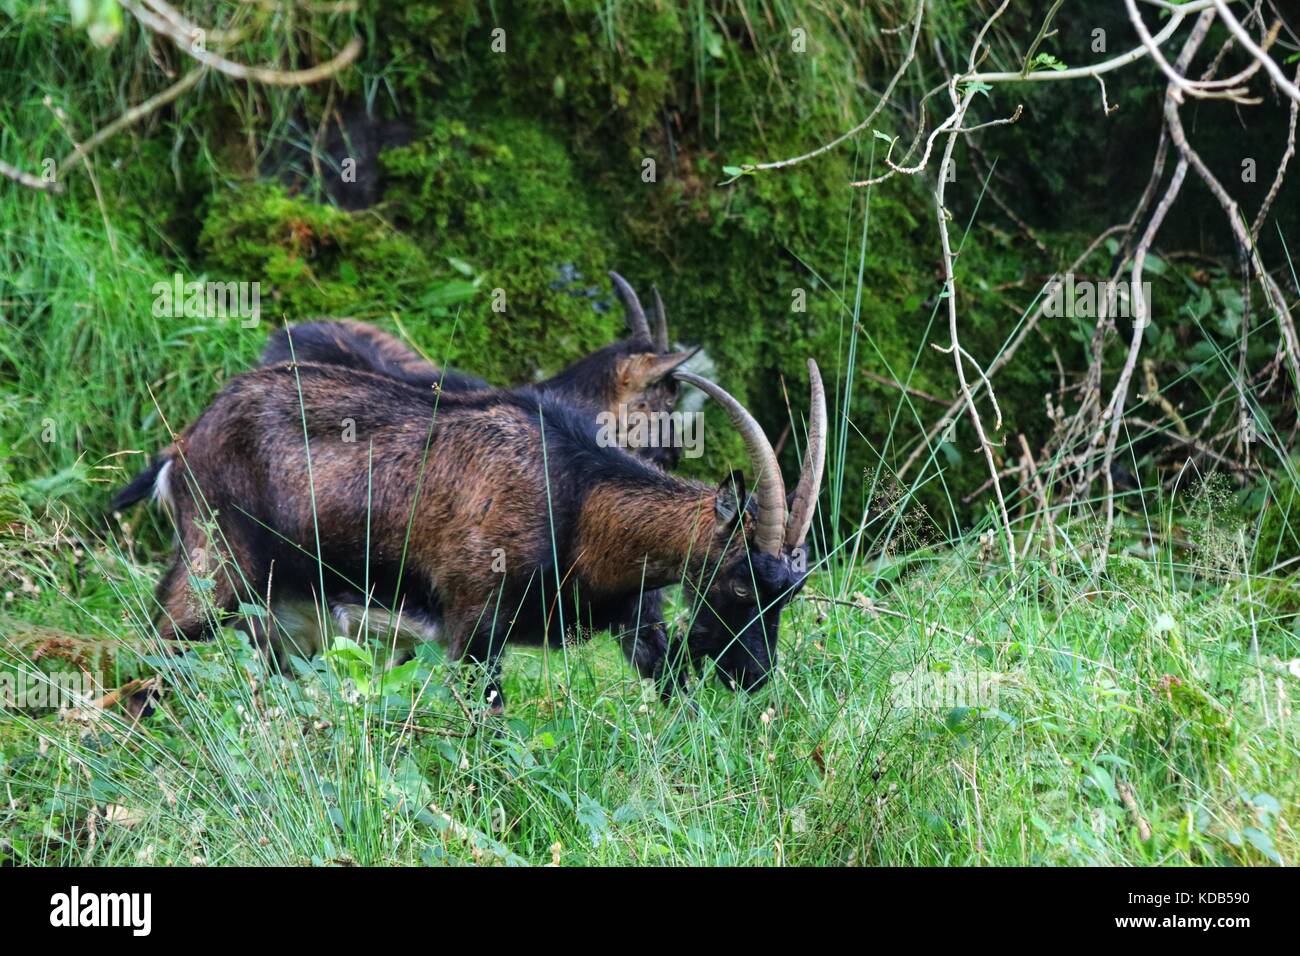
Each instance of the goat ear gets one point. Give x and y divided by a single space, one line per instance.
664 365
631 373
639 371
730 498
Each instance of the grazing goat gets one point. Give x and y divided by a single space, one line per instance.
629 376
628 380
488 516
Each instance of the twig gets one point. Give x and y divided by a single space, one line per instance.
133 115
1180 83
1041 491
1274 71
914 392
1007 353
1276 187
28 180
1272 293
950 290
884 98
239 71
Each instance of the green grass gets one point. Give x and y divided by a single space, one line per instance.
957 718
929 708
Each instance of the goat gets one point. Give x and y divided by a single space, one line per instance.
628 379
633 375
353 344
490 516
630 376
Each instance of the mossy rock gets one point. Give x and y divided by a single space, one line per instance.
316 260
507 199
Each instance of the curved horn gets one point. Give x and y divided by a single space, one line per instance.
661 322
770 489
636 321
814 460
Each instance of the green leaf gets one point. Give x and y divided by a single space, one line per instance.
79 13
735 172
400 677
346 650
461 266
593 816
1262 842
107 24
712 42
1102 778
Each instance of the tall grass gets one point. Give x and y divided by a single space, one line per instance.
929 708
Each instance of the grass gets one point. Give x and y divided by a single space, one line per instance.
959 719
929 708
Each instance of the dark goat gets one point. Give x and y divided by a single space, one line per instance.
488 516
628 378
357 345
632 375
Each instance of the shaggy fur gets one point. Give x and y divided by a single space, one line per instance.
521 526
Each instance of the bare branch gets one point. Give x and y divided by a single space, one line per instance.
950 293
133 115
1275 71
184 41
1276 187
28 180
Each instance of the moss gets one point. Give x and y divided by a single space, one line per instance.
526 170
507 199
316 260
524 174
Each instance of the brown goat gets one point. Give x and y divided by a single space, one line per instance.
489 516
630 377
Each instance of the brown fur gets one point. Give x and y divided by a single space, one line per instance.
246 470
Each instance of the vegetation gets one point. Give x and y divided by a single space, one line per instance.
932 706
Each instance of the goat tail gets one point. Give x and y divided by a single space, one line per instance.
150 483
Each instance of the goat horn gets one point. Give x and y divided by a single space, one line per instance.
636 320
770 489
661 322
814 460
